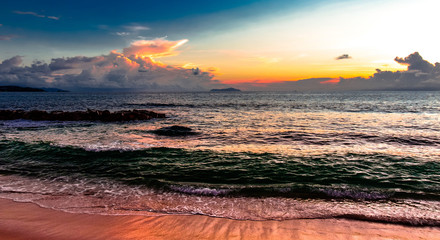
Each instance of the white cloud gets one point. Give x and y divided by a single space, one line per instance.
36 15
123 34
137 28
132 30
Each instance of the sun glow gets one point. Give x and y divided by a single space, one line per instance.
153 48
299 45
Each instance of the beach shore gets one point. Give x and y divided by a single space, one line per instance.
29 221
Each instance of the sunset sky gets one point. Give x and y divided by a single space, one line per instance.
252 45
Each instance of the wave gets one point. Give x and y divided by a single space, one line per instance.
101 196
348 176
200 105
326 138
384 102
22 124
153 104
245 186
291 102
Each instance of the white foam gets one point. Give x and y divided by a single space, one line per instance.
110 198
200 191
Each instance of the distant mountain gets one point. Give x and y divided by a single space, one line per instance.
28 89
226 90
54 90
19 89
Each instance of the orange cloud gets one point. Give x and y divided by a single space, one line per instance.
153 48
213 70
331 81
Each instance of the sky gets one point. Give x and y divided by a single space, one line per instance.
275 45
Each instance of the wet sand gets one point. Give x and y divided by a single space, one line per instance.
29 221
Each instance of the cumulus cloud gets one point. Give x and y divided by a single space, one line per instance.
415 62
136 67
8 64
343 56
36 15
420 75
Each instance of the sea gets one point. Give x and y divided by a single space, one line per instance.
371 156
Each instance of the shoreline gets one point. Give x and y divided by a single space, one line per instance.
29 221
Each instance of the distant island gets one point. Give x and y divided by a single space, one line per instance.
226 90
28 89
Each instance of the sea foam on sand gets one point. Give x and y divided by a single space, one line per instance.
29 221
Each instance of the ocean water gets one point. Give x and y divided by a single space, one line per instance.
373 156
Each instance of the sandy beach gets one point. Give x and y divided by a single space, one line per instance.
29 221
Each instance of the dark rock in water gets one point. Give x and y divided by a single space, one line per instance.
89 115
226 90
174 131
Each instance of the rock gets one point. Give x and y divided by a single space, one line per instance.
174 131
89 115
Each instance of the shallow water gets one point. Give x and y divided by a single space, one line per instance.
365 155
